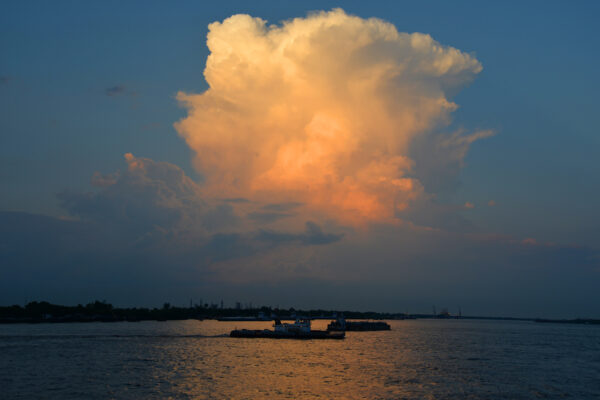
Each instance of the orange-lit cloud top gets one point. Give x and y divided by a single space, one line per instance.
320 110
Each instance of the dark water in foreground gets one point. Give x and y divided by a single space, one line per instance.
422 359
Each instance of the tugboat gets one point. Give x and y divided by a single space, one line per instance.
341 325
298 330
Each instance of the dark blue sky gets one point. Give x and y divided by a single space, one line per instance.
83 83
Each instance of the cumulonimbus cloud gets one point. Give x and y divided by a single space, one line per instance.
320 110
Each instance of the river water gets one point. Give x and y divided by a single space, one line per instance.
417 359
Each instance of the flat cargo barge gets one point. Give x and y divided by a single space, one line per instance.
268 334
341 325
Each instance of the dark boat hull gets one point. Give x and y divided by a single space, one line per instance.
359 326
267 334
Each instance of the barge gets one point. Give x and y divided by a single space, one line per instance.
341 325
298 330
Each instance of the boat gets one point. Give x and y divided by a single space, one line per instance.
341 325
300 329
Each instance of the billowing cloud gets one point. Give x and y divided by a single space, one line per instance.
146 235
153 198
147 196
323 110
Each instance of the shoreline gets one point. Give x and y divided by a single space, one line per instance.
44 312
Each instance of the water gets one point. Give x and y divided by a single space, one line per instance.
420 359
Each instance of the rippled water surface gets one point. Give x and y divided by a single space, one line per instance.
419 359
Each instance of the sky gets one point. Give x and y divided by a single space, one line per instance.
351 155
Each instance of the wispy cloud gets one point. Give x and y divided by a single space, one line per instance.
121 90
281 206
100 180
267 217
114 91
313 235
151 126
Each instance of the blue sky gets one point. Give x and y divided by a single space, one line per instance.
84 83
